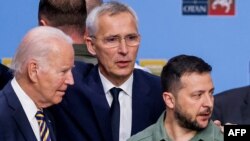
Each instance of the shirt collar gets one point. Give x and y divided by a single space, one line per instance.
160 133
126 86
27 103
207 133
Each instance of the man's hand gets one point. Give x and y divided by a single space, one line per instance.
218 123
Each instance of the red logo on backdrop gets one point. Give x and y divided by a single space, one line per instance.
221 7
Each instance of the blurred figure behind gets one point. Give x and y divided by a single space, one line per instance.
5 75
233 106
69 16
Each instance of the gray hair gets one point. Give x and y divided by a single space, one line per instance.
36 44
111 8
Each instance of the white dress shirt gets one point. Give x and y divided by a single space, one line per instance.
125 100
29 107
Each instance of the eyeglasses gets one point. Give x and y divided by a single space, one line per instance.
131 40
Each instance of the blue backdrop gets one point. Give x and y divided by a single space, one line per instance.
222 41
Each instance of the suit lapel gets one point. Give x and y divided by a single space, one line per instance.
19 115
91 90
99 103
50 125
140 100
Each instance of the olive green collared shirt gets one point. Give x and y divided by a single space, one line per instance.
157 132
82 54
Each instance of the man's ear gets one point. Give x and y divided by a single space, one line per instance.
90 45
43 21
33 70
169 99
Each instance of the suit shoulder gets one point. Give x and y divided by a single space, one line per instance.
234 93
3 106
144 78
147 75
5 75
82 66
81 69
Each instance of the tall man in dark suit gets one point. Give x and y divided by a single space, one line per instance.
87 112
42 71
233 106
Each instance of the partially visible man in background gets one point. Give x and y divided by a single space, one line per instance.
233 106
91 4
5 75
69 16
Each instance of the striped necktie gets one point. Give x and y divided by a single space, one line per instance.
44 130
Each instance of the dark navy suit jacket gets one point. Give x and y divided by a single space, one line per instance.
233 106
14 124
84 112
5 75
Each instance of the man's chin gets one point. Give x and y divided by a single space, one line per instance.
203 124
58 100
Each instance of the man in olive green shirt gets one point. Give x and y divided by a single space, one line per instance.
82 54
188 95
157 132
68 16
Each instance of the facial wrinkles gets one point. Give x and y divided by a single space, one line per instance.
44 88
187 117
121 23
55 87
199 108
61 84
51 81
115 63
206 99
63 76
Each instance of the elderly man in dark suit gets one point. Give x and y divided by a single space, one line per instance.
42 71
233 106
113 101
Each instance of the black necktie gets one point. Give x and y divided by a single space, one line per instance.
115 113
